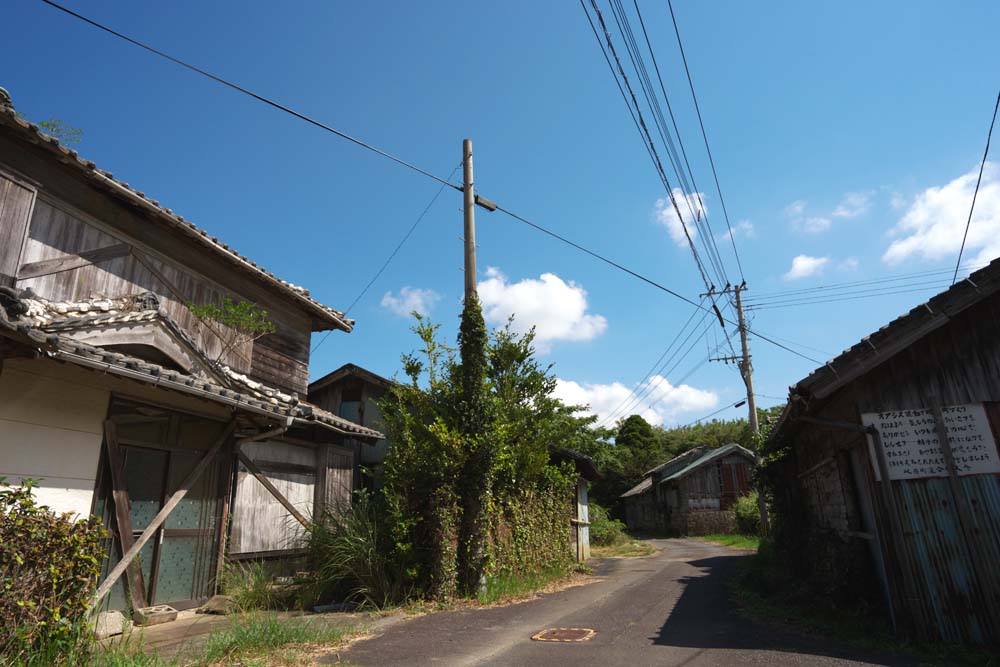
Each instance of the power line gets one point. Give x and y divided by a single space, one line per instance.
392 255
711 161
639 395
252 94
649 139
857 283
656 363
821 298
397 160
846 298
737 404
976 192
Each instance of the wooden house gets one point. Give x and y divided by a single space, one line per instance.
579 519
691 494
890 473
353 393
194 446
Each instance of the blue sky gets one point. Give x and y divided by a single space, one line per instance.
843 133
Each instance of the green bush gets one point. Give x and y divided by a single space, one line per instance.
352 557
49 565
605 531
747 514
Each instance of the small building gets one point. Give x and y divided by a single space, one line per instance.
580 518
194 445
889 469
691 494
353 393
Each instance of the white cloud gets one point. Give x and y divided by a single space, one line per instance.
742 228
795 209
411 299
852 205
849 264
556 308
813 225
897 201
804 266
666 215
932 228
664 404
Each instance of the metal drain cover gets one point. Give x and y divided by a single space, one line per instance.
564 635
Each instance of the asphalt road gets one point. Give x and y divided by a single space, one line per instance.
668 609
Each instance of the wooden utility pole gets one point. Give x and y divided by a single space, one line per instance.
469 236
746 371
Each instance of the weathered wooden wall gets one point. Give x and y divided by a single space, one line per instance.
937 588
71 217
260 523
16 200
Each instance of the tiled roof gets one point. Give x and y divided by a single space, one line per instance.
705 458
106 181
251 396
642 487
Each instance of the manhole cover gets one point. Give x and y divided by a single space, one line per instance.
564 635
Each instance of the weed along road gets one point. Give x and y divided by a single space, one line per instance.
670 608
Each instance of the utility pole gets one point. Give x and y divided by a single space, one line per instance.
469 236
746 370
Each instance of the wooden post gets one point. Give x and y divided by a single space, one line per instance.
222 531
470 220
256 472
123 518
746 370
162 515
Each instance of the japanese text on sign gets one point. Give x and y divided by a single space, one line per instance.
913 450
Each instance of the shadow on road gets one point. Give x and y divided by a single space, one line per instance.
704 618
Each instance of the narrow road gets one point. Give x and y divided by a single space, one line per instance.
668 609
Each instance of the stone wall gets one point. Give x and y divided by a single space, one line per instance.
709 522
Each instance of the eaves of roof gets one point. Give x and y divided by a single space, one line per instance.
271 404
346 370
105 181
642 487
707 458
891 339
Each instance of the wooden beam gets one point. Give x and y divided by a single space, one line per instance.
255 471
136 585
47 267
222 530
175 498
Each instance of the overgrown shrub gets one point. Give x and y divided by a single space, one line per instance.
49 565
747 514
530 532
605 531
352 557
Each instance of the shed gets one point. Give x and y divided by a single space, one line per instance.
580 517
691 494
890 469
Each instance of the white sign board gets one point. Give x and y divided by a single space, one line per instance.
913 450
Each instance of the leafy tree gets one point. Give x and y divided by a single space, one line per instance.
243 322
64 132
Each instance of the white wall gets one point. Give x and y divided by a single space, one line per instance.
51 429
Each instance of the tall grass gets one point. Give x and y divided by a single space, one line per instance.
352 558
261 632
250 587
505 585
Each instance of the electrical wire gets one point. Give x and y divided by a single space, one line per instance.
858 283
701 123
737 404
392 255
402 162
975 193
252 94
846 298
821 298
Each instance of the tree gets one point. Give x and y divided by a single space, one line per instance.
242 322
65 133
